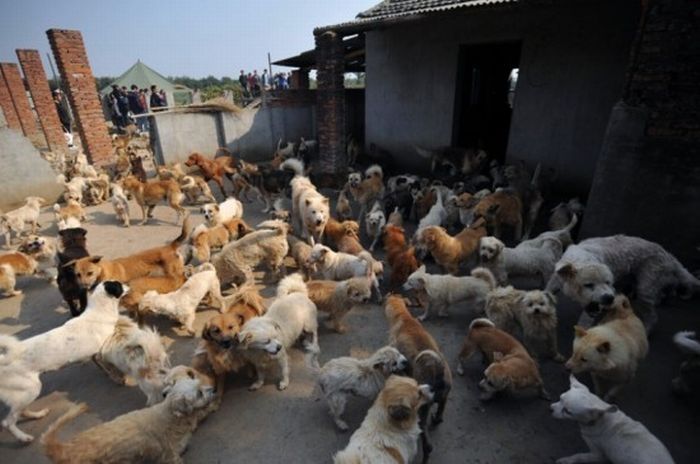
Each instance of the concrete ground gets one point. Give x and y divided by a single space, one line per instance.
269 426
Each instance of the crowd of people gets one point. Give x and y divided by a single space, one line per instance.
253 83
126 104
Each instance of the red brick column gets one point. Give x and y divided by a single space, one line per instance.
8 108
34 74
13 79
330 103
71 58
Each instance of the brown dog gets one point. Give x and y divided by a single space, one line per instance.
501 208
400 257
12 265
345 236
214 169
428 365
217 353
246 303
366 191
94 269
338 298
138 287
205 238
149 194
449 251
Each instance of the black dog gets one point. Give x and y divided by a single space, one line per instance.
269 181
73 241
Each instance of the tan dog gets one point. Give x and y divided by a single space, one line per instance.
401 258
366 191
149 194
510 366
342 206
246 303
195 187
217 353
501 208
338 298
449 251
73 209
12 265
344 235
93 269
612 350
139 286
214 169
301 252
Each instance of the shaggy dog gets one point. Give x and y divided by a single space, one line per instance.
159 433
366 191
73 209
610 434
214 169
342 206
92 269
564 212
389 432
271 178
149 194
246 303
427 364
73 244
120 204
236 261
310 210
223 212
341 377
338 298
401 258
182 304
510 366
501 208
141 285
204 238
612 350
523 260
195 187
587 271
135 354
446 290
266 339
45 251
15 220
374 224
301 252
449 251
76 340
345 236
12 265
534 313
341 266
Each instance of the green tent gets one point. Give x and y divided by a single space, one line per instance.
144 77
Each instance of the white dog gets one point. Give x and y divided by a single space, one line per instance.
525 259
77 340
310 209
223 212
610 434
182 304
446 290
333 265
374 224
435 217
345 376
74 188
265 339
120 203
15 220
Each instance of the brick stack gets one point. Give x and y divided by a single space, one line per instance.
18 94
8 108
74 67
34 74
330 103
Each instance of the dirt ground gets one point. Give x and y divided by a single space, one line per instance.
292 426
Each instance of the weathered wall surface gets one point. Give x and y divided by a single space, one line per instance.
573 61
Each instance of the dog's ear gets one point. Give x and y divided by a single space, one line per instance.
399 412
579 331
308 202
604 347
625 302
497 356
95 259
551 298
493 208
567 271
384 368
206 332
325 200
134 352
242 229
241 320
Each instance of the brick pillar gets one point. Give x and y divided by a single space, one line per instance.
330 103
73 65
18 94
8 108
34 74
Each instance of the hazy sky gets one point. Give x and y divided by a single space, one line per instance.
195 37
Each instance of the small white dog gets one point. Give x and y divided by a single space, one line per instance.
77 340
610 434
265 339
523 260
333 265
345 376
15 220
182 304
120 203
446 290
374 224
223 212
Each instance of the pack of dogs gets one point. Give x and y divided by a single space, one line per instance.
471 230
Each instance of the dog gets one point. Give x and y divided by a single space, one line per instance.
310 210
138 354
182 304
195 187
158 433
44 250
12 265
449 252
562 213
523 260
236 261
73 209
374 224
436 215
246 303
612 350
140 285
333 265
401 258
687 380
271 178
301 252
446 290
73 242
457 160
368 191
345 236
510 369
76 340
120 204
204 238
390 430
587 272
93 269
149 194
501 208
15 220
216 214
395 218
610 434
427 364
73 188
266 339
214 169
345 376
342 206
338 298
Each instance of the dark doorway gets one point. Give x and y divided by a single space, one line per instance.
486 79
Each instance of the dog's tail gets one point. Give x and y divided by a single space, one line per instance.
293 283
52 447
481 322
487 276
293 164
687 342
182 238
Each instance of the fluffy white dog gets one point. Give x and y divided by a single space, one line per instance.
15 220
374 224
610 434
223 212
334 265
435 217
120 203
182 304
345 376
526 259
310 209
77 340
265 339
446 290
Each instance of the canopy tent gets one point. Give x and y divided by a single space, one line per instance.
144 77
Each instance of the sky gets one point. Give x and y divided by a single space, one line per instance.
196 38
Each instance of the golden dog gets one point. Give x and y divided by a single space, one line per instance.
149 194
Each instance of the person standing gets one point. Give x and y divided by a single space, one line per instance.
135 107
156 101
62 110
243 80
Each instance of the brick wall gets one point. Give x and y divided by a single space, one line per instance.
73 65
13 80
330 103
8 107
34 74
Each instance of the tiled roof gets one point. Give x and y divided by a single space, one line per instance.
392 8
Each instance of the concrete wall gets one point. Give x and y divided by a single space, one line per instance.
573 61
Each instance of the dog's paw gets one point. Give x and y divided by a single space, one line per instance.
283 385
436 420
256 385
16 293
